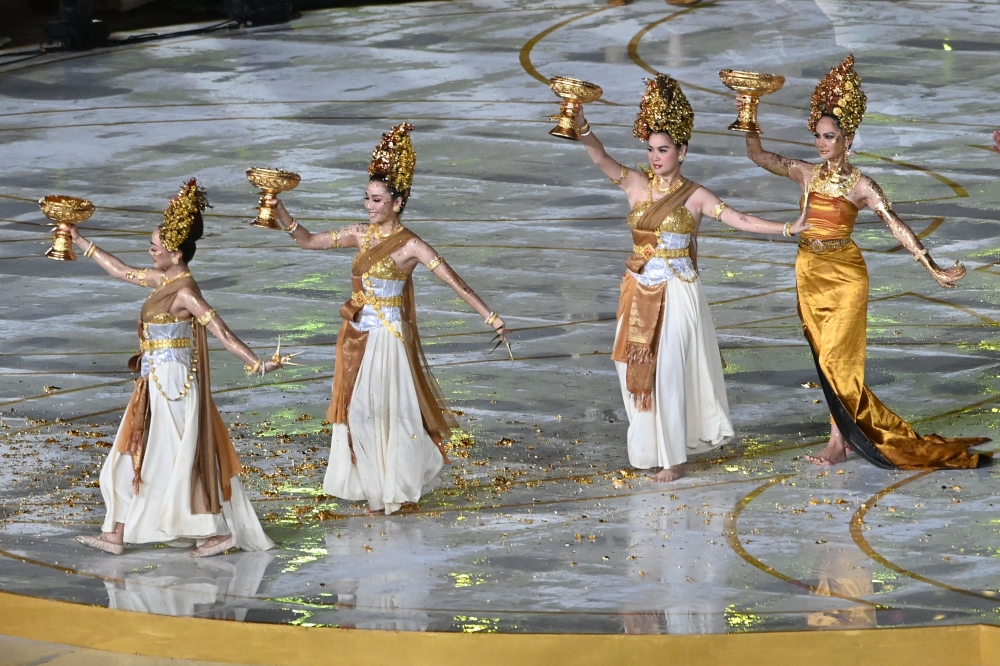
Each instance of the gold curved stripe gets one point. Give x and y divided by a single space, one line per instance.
525 55
857 533
633 46
732 535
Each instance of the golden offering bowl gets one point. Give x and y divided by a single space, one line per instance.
270 182
749 86
65 212
574 93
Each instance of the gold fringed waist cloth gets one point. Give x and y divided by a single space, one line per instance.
833 305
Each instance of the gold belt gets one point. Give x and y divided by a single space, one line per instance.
169 343
361 298
651 251
818 245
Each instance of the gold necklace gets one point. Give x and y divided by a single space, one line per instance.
670 189
168 280
392 231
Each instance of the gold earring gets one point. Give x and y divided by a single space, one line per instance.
680 159
175 261
396 209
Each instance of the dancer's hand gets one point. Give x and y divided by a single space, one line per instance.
800 224
996 141
581 121
946 277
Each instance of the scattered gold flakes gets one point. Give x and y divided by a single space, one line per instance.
821 541
504 441
368 548
631 557
51 389
810 385
592 537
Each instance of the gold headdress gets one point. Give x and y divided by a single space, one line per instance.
179 215
839 94
394 159
664 108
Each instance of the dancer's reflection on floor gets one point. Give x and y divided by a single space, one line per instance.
680 551
386 593
222 589
837 572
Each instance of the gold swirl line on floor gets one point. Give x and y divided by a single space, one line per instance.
731 533
857 533
524 56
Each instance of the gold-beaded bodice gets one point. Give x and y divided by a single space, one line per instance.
387 269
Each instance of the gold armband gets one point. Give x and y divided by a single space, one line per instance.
435 262
923 252
207 318
90 250
717 211
141 276
335 237
621 177
492 318
290 229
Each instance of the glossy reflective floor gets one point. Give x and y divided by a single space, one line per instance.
539 526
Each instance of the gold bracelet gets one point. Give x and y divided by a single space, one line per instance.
621 177
335 236
255 368
435 262
207 318
90 250
921 254
585 130
786 231
492 318
291 227
717 211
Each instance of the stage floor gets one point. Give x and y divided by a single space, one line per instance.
539 525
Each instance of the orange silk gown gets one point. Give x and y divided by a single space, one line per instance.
832 286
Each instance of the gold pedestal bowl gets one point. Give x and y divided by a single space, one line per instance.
66 212
574 94
749 86
270 182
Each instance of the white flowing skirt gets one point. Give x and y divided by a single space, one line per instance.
690 412
397 460
161 512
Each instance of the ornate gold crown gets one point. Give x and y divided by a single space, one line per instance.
394 159
664 108
839 94
179 215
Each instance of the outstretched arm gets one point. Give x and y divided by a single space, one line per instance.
630 180
705 202
427 256
115 267
324 240
875 198
777 164
194 304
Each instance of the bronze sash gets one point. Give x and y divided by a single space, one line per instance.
351 343
215 460
640 308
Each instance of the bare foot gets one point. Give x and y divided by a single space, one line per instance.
834 453
668 474
372 512
214 546
103 542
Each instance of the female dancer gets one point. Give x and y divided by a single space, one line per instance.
389 419
666 352
173 475
832 284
